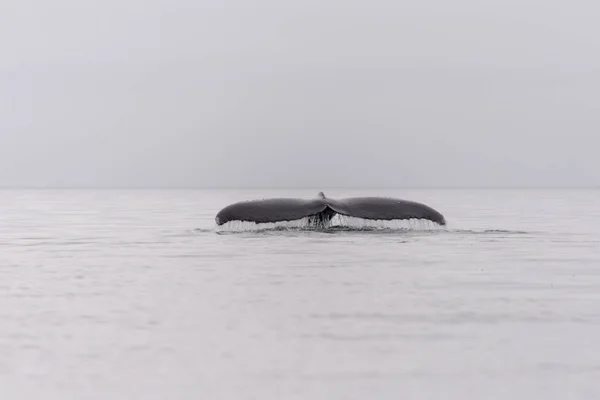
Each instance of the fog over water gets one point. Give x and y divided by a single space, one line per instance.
315 94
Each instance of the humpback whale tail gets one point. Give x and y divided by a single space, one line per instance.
322 209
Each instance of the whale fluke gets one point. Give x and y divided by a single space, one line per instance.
271 210
383 208
321 209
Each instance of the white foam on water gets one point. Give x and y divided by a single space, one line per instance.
337 221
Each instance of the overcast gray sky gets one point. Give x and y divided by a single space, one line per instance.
317 93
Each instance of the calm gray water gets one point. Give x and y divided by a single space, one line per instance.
132 294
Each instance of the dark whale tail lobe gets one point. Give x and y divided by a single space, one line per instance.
271 210
387 209
321 210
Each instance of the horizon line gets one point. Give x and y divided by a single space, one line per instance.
467 187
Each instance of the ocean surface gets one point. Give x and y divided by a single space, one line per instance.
134 294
